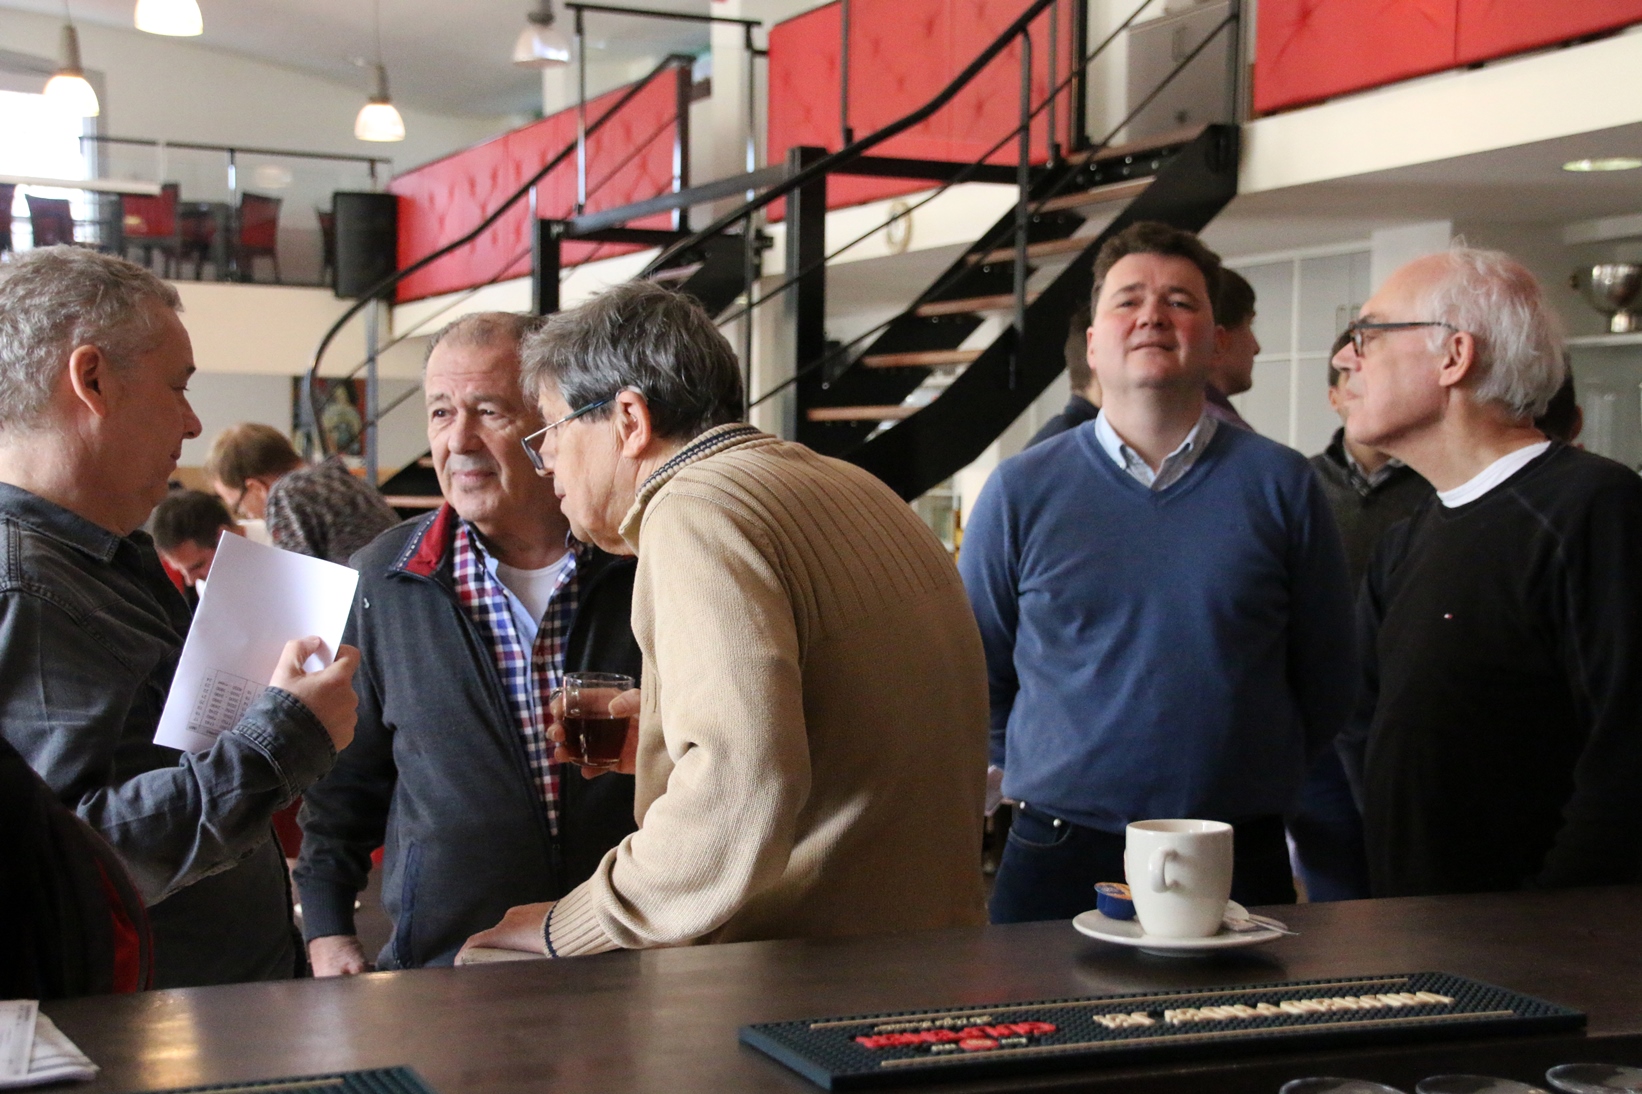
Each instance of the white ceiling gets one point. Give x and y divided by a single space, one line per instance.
1523 185
449 56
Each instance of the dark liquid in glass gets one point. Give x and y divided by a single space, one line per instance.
600 736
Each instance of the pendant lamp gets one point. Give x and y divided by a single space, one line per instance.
69 87
541 44
378 119
176 18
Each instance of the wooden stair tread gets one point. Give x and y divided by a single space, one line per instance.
1046 249
414 501
676 273
1138 148
933 358
425 462
1100 195
861 413
970 305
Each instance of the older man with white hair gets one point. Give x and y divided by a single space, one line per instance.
1500 742
94 369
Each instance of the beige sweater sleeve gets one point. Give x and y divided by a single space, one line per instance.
725 683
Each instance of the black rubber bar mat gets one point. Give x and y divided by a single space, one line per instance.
381 1080
879 1049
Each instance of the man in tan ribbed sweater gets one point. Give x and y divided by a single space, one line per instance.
811 736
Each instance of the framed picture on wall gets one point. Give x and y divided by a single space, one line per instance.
341 416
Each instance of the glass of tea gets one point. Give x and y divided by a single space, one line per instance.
591 735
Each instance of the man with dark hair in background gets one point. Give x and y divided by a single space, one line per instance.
1368 492
1163 604
1231 368
186 527
1085 401
323 511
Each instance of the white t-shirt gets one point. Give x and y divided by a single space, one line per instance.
533 589
1492 475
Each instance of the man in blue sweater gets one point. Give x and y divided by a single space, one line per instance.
1163 602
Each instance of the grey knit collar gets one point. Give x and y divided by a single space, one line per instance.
720 438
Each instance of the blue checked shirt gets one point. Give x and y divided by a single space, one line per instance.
529 678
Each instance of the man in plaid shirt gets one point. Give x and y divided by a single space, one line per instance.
467 620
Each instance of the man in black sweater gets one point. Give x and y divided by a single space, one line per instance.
1085 401
1500 741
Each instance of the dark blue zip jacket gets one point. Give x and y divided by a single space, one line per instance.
437 773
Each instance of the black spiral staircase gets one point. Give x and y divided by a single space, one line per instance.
935 386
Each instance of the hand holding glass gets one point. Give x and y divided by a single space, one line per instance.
592 737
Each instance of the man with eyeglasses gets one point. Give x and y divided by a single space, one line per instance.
323 511
466 620
1499 744
811 733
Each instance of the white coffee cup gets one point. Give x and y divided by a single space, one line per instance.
1180 875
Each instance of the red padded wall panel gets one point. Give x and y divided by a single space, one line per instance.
630 159
989 109
902 53
1494 28
1311 49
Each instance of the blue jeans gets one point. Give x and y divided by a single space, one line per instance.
1049 869
1328 834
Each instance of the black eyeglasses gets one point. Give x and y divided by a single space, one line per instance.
1355 332
533 443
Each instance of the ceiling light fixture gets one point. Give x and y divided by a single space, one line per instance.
1606 163
176 18
378 120
541 44
68 87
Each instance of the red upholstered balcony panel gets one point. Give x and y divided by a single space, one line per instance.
1495 28
1312 49
902 53
630 159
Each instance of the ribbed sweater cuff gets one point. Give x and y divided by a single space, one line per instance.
573 926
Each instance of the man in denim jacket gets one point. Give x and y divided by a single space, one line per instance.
94 368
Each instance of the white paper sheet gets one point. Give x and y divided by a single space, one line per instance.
258 599
54 1059
17 1018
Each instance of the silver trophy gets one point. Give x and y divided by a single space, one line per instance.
1613 289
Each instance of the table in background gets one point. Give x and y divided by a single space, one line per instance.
666 1020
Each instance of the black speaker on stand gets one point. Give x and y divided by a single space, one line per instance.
367 240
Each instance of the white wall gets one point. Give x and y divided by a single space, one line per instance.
223 401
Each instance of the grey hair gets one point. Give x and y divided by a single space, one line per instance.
484 329
56 299
1500 303
645 338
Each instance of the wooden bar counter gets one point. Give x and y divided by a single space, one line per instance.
666 1020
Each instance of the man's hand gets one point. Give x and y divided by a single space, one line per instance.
520 929
624 705
328 693
337 955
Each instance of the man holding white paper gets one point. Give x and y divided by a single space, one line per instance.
94 368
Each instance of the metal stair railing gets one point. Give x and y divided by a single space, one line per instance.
380 290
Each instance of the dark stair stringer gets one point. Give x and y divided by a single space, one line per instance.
929 446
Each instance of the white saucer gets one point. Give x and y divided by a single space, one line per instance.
1128 932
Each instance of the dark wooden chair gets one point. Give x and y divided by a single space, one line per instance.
8 193
52 220
149 222
257 234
